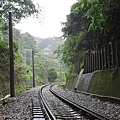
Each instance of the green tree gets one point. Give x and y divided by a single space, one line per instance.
4 57
90 25
52 75
5 63
40 66
20 9
76 33
105 18
4 51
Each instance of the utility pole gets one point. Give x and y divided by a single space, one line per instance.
33 68
11 56
60 74
1 4
25 57
46 72
1 8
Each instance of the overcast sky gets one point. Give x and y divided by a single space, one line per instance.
55 12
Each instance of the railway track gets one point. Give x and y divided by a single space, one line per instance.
59 108
38 110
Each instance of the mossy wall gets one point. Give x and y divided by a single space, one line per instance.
71 83
105 83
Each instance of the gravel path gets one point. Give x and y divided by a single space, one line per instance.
107 109
19 108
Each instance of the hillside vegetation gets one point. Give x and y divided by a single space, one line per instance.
91 25
49 45
23 45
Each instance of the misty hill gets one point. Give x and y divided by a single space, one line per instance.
48 45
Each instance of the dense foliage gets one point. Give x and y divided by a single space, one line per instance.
52 75
90 25
23 44
49 45
20 9
5 63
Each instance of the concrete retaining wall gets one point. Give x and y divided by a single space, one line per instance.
72 83
84 82
102 82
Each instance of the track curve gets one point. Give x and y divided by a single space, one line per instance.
61 108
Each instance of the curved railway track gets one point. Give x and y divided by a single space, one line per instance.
39 111
56 107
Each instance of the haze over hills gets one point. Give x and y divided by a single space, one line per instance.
48 45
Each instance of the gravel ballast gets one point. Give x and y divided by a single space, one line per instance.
20 107
111 111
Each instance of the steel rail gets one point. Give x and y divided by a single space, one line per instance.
84 110
103 98
51 116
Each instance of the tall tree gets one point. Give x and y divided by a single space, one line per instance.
75 32
52 75
20 9
90 25
105 18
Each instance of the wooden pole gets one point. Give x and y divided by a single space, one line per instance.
89 64
12 93
116 51
60 74
85 65
46 72
92 62
102 58
113 56
109 56
97 59
105 57
33 68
